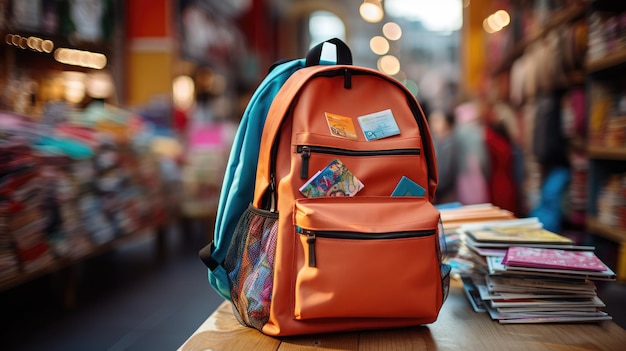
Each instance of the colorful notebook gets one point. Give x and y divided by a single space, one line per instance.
518 235
519 256
334 180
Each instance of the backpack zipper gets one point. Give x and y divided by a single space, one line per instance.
312 235
305 151
415 108
273 200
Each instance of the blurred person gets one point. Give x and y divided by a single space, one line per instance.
209 124
208 139
442 130
472 156
502 137
503 187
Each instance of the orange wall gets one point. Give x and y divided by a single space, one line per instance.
150 52
473 44
150 74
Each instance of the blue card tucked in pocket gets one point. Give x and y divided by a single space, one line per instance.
407 187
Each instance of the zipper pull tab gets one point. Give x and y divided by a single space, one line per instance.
306 154
272 193
310 239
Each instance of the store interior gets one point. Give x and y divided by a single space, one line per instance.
117 120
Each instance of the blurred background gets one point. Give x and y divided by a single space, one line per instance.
117 117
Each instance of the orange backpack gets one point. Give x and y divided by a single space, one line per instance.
302 261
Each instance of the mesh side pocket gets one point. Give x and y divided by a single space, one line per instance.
445 280
442 250
249 264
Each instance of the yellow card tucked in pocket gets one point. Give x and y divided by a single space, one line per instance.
341 126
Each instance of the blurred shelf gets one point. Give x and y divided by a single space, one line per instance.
610 61
576 77
608 69
60 263
571 13
608 232
607 153
616 235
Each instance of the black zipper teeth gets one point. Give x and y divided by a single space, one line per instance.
369 236
346 152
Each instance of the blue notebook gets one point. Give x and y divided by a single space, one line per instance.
407 187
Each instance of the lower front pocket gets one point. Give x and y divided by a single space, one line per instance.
369 279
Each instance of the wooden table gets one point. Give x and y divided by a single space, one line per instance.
458 328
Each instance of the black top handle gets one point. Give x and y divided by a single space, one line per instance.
344 56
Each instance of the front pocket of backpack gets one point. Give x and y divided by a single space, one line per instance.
372 257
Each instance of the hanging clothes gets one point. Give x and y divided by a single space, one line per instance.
502 185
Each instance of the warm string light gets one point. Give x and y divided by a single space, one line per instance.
32 43
496 21
372 11
392 31
379 45
183 91
80 58
389 64
66 56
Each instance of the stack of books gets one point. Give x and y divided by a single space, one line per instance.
455 215
523 273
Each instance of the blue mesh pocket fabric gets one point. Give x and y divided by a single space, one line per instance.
445 279
444 268
249 264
